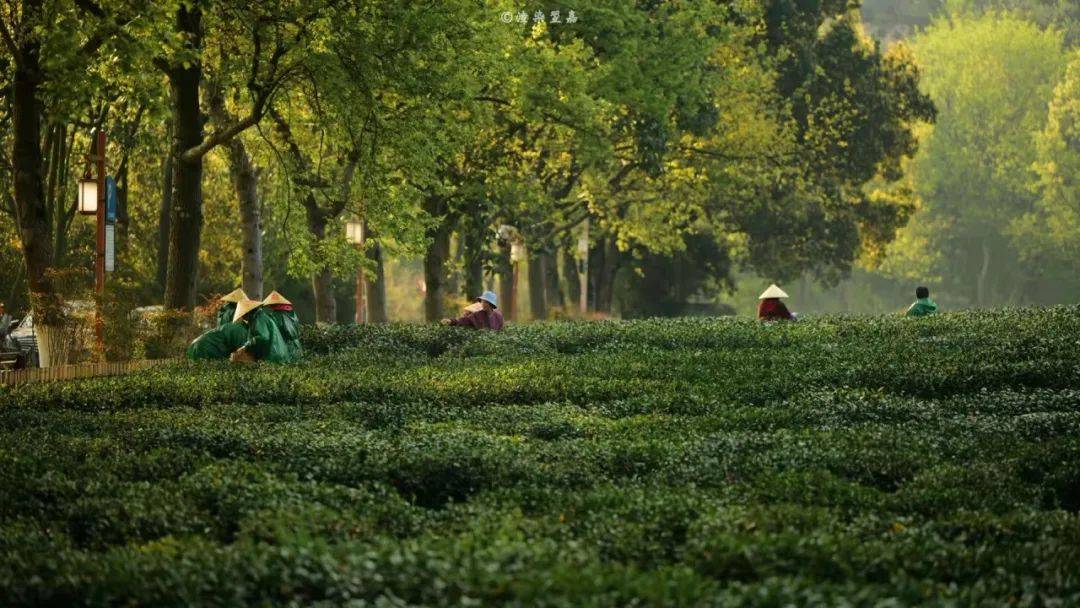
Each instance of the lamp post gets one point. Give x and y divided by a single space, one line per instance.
510 243
92 202
354 232
583 274
517 255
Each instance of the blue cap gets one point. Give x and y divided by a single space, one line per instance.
490 298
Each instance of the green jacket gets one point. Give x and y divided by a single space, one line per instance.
264 339
289 326
225 313
218 343
922 307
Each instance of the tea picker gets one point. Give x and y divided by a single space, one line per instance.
218 343
482 314
923 305
770 308
264 340
284 317
228 305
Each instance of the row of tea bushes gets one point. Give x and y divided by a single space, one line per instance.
685 462
949 355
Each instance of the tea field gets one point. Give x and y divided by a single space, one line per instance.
715 462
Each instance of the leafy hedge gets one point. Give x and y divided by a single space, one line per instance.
699 461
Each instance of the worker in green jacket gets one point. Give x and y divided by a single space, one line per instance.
218 343
923 304
264 341
281 311
228 306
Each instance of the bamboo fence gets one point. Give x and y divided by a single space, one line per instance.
80 370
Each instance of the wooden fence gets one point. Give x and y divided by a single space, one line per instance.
80 370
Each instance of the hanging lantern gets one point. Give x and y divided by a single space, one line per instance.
354 231
88 196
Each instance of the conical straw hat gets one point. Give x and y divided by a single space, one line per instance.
275 298
236 295
243 307
772 292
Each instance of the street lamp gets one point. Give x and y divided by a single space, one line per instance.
92 202
88 195
354 233
583 265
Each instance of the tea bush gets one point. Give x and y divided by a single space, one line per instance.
863 460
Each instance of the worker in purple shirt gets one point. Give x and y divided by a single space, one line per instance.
482 314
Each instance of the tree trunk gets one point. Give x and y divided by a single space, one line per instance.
552 293
505 268
245 178
376 288
980 286
472 239
322 280
31 211
164 214
537 288
322 284
603 268
185 230
54 192
438 250
570 279
121 209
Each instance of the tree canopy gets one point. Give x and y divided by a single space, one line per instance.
765 135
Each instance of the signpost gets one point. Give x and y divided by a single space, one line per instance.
110 247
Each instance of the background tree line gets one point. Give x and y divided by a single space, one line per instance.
683 144
994 180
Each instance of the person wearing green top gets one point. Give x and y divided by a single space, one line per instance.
218 343
264 341
923 304
281 311
228 306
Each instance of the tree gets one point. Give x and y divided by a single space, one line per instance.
1048 237
278 32
991 76
48 42
366 130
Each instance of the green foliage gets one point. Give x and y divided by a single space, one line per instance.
1052 228
991 77
672 462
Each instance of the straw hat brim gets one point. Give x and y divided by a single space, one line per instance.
772 292
244 307
275 298
236 295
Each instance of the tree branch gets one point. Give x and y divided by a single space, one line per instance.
224 135
582 215
9 41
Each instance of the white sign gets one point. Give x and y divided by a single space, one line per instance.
110 247
555 16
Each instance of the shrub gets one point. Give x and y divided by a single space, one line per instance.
662 462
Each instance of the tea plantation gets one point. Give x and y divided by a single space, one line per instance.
865 461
